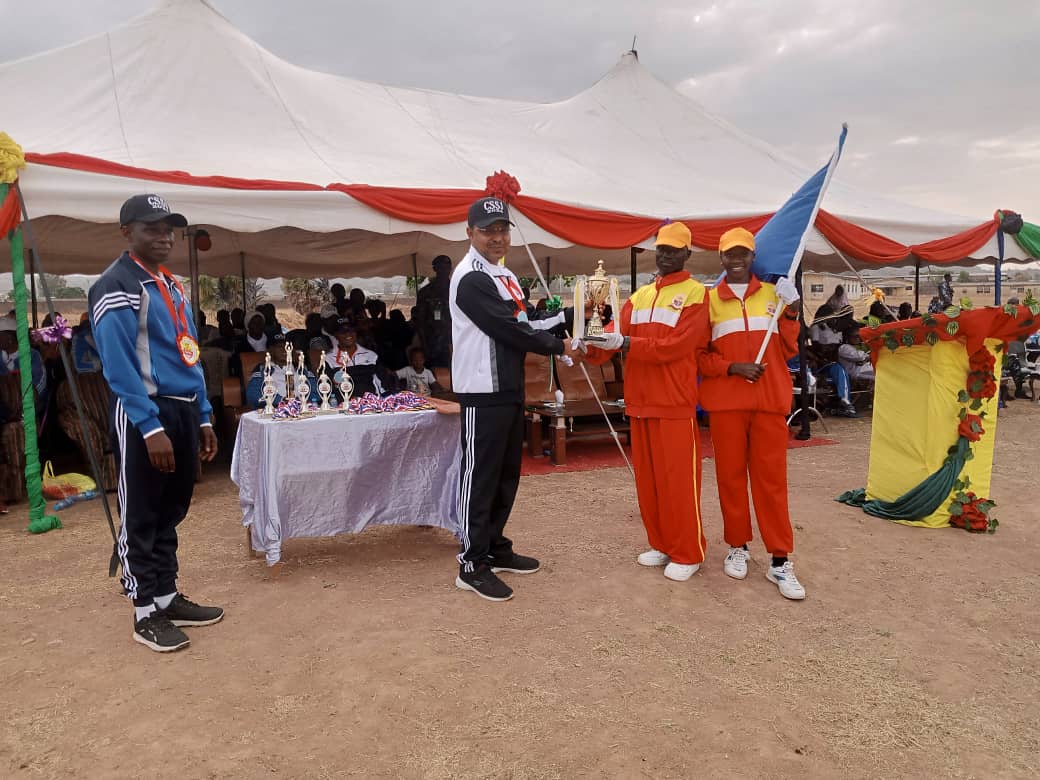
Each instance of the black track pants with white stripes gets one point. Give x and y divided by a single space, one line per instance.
492 445
152 503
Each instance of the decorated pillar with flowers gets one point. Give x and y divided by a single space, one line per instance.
11 161
935 415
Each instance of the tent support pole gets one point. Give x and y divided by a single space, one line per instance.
632 268
805 431
242 266
32 289
193 271
996 282
415 274
917 284
548 275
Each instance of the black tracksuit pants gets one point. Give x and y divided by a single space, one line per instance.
492 446
152 503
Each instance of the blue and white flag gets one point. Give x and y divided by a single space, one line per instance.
780 243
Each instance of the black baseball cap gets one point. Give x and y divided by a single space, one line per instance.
488 211
344 325
277 337
149 208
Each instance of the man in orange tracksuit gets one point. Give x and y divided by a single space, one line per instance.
748 403
662 328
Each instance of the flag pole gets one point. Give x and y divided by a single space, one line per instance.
796 261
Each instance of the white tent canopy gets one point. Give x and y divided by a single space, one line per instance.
181 89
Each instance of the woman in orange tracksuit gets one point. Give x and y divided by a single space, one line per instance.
748 403
662 328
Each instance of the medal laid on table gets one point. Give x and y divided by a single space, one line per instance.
187 346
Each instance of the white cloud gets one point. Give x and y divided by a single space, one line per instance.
907 140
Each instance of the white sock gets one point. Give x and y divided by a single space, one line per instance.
140 613
162 602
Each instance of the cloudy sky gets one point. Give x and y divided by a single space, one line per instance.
940 96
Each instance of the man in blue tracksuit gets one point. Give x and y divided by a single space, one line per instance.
145 334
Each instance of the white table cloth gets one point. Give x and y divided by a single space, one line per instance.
340 473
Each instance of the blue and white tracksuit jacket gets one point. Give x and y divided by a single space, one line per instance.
137 341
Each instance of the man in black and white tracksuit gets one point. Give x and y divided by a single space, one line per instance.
490 337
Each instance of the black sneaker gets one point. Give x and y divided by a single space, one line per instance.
515 564
182 612
484 583
158 633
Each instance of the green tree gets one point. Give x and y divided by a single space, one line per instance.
225 292
964 276
306 295
59 288
414 282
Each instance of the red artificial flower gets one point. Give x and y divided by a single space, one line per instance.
981 360
971 429
972 515
981 385
502 186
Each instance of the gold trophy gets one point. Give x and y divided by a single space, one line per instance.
597 289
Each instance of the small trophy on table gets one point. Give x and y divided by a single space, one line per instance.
267 389
324 388
290 372
597 289
303 386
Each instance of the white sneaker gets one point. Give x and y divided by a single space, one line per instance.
680 572
652 558
786 581
735 565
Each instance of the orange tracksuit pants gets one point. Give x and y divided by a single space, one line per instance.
753 444
667 461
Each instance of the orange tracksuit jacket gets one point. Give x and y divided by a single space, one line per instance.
748 420
667 324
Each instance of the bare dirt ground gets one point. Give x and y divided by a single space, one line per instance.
915 654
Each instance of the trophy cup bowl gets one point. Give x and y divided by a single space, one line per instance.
597 289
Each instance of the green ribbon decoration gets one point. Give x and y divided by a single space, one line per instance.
921 500
1029 238
39 521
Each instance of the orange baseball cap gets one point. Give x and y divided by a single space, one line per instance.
675 234
737 237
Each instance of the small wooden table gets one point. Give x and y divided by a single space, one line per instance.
586 422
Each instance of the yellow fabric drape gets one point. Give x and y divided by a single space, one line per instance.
915 423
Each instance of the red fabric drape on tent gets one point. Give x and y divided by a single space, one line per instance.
870 247
587 227
10 212
81 162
